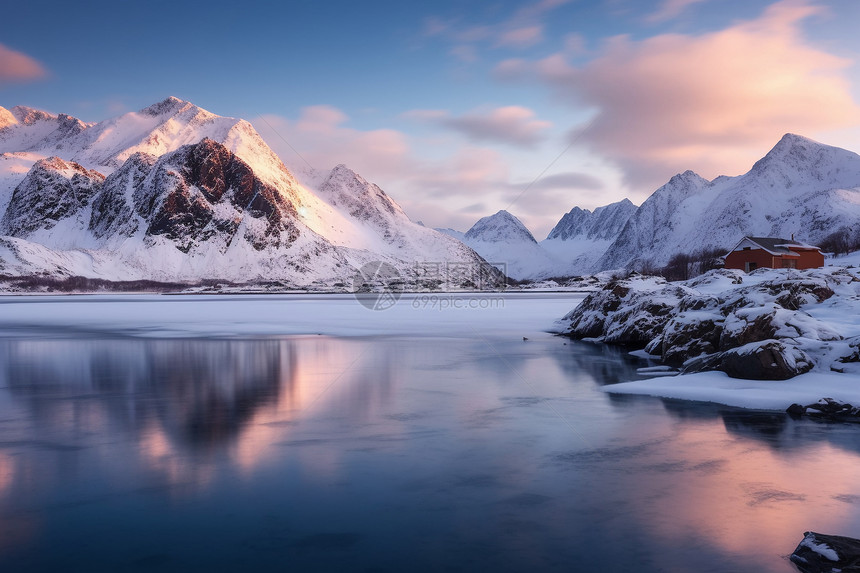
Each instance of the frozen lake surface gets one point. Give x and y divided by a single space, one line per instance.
308 433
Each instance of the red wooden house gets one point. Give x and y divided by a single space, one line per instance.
753 253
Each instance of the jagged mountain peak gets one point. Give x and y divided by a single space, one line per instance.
29 115
500 227
797 161
800 152
53 190
347 190
69 126
580 231
679 187
169 105
575 222
688 177
342 172
54 163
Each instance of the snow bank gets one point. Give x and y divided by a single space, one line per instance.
756 394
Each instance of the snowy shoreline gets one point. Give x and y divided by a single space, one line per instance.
764 340
717 387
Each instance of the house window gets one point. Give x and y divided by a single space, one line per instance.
789 264
750 267
746 248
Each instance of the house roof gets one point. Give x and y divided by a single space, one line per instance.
777 246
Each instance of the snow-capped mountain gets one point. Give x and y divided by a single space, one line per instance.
572 247
501 227
801 188
174 192
601 224
505 242
582 236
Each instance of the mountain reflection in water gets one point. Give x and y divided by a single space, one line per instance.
328 454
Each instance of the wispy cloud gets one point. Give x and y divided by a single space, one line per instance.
18 67
522 29
510 125
669 10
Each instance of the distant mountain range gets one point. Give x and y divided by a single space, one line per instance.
175 193
800 188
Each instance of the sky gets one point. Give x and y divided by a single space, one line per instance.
458 109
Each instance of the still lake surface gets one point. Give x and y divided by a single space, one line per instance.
471 450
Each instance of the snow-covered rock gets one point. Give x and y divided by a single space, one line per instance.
820 553
773 325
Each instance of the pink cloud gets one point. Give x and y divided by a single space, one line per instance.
713 102
17 67
322 140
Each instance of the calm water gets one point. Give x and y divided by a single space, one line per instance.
393 454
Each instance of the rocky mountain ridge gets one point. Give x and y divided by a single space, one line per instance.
175 193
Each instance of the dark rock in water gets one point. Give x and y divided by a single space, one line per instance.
820 553
827 409
796 410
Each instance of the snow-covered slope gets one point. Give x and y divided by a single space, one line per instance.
191 195
459 235
801 188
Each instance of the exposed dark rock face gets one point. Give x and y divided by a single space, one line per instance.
52 191
179 199
194 194
113 213
619 315
687 336
820 553
755 331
